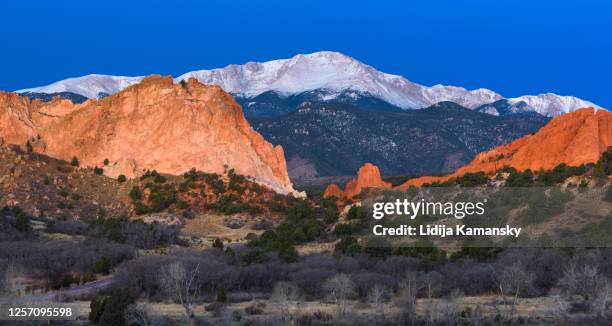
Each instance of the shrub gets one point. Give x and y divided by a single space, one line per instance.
354 213
140 208
255 256
559 174
162 197
22 221
64 282
121 178
159 179
111 310
136 193
472 179
135 233
182 204
263 225
427 253
348 246
89 277
221 295
608 195
605 162
215 182
519 179
377 247
288 254
98 171
74 161
236 181
542 207
218 244
216 308
331 215
255 309
102 265
106 161
346 228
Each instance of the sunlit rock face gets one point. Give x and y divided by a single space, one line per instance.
155 124
573 138
368 176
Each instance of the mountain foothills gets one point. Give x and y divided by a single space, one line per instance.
153 125
573 139
324 139
276 87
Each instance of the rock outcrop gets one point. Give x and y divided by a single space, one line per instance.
368 176
155 124
333 190
574 138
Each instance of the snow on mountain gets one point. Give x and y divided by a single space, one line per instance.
550 104
336 72
331 72
90 86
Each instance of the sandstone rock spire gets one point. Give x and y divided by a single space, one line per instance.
368 176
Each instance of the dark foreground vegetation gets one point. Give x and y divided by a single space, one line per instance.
272 279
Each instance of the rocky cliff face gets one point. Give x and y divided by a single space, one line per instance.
368 176
574 138
155 124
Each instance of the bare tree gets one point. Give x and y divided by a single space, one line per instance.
602 298
181 284
433 281
406 298
443 311
476 318
512 281
287 297
136 315
588 283
9 280
378 296
340 289
561 305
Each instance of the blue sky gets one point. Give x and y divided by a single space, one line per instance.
513 47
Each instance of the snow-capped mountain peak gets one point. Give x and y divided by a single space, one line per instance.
333 72
91 86
337 72
552 104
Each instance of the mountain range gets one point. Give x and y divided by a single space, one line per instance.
276 87
573 139
332 139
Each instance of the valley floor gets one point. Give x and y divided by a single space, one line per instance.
541 310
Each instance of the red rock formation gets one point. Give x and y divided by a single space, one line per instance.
16 125
152 125
334 191
574 138
368 176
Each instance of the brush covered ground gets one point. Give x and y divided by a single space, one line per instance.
219 249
